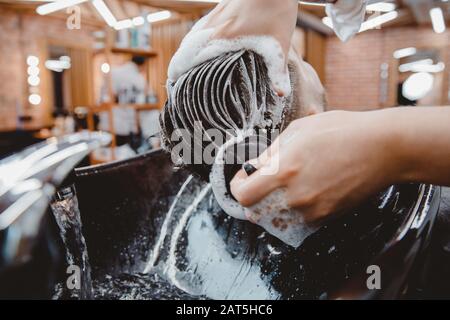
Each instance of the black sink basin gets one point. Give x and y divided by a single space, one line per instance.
146 224
153 232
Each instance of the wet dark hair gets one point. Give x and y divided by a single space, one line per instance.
224 93
138 60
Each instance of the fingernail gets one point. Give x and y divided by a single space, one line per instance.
249 168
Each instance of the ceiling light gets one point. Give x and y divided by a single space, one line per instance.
34 81
138 21
408 66
33 71
64 58
104 11
56 6
34 99
105 67
381 7
57 65
123 24
431 68
437 19
158 16
32 61
405 52
417 86
377 21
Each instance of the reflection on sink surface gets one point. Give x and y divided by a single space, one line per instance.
151 232
147 226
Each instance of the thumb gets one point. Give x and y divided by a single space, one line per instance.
249 190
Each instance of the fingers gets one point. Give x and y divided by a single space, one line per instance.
249 190
267 154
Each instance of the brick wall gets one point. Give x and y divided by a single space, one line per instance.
353 68
22 35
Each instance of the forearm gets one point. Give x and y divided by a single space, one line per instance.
420 143
332 161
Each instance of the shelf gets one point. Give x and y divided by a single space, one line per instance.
135 51
139 107
129 51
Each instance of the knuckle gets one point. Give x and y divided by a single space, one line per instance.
286 173
243 198
246 202
306 201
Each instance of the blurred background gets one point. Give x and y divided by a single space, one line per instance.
70 65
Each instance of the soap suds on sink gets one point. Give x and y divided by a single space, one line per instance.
198 47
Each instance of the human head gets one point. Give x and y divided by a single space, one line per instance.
139 60
233 94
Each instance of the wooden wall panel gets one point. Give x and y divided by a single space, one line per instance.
315 52
166 38
81 77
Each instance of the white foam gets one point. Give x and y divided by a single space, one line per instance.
162 236
198 47
171 269
276 217
217 178
221 276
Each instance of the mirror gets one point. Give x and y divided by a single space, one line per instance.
68 84
59 64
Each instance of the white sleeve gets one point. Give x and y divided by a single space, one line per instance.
347 17
115 80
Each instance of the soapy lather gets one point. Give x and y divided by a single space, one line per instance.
198 47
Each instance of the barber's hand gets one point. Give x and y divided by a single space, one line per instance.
276 18
326 163
237 18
